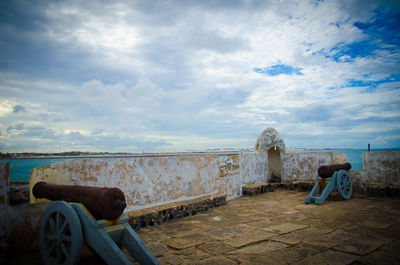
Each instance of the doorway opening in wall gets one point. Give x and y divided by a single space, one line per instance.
274 164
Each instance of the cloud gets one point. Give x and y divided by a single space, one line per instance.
18 108
198 74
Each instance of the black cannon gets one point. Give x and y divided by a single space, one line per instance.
328 178
102 203
93 214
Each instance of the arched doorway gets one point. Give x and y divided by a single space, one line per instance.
274 164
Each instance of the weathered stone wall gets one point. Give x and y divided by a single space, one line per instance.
149 181
359 178
254 168
338 158
152 180
383 167
267 139
19 224
304 166
4 177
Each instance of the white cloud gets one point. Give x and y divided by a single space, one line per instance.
183 73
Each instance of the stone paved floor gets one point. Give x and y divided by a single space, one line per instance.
278 228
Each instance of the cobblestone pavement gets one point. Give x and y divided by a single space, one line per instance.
278 228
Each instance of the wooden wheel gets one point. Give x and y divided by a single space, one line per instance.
344 184
60 235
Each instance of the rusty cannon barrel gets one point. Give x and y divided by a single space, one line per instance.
102 203
328 170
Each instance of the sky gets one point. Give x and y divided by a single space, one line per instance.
153 76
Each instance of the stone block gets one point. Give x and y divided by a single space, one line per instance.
215 248
260 188
193 254
171 260
383 190
186 241
284 228
4 177
215 260
248 238
262 248
158 215
328 257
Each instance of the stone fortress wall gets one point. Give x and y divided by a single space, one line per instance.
153 180
150 181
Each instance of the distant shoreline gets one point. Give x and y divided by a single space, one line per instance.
125 155
227 151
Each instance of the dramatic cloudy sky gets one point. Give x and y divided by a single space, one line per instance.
181 75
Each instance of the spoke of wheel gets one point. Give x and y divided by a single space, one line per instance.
65 251
66 238
58 255
51 248
58 220
63 226
50 237
52 224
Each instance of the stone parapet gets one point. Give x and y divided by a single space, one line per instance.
364 189
4 177
383 191
161 214
256 189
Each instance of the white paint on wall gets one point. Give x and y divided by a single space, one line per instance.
154 180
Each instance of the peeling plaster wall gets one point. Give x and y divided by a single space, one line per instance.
4 176
58 173
383 167
304 166
151 180
159 179
254 168
359 179
267 139
19 224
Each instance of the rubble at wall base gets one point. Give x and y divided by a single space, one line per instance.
259 188
383 191
158 215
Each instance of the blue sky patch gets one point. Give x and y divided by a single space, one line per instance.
372 84
279 69
383 34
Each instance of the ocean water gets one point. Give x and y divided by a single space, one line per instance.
354 156
20 169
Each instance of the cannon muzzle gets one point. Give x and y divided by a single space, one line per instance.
327 171
102 203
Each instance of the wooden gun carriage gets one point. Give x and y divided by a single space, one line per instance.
93 215
328 178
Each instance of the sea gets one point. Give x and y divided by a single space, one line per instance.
21 168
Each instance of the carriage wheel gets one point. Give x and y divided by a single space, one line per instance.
60 235
344 184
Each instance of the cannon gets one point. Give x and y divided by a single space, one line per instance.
92 214
329 177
